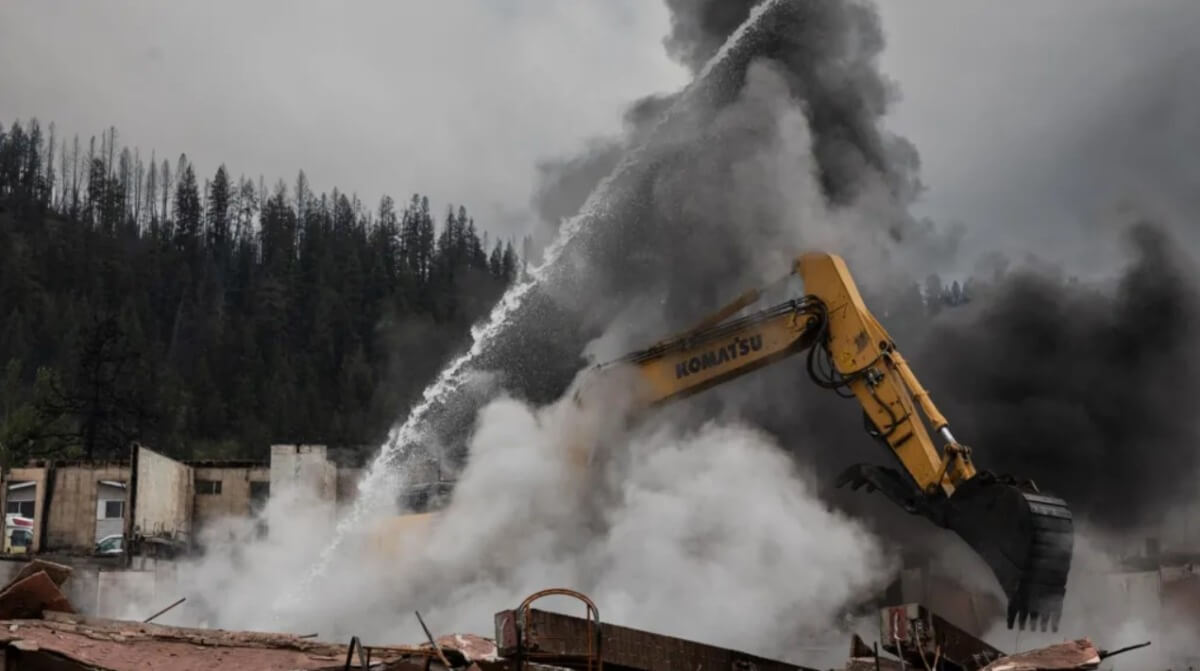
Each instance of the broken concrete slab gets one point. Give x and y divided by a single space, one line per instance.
30 596
57 572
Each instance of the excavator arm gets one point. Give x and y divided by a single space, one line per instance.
1024 536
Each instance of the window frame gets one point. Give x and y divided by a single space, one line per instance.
208 487
20 505
120 503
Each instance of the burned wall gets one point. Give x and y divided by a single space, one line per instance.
163 496
225 491
305 473
75 508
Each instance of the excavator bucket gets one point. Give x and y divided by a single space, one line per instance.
1024 536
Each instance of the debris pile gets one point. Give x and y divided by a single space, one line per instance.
37 587
38 630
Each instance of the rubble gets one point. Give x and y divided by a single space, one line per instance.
1080 654
34 589
43 636
923 639
75 642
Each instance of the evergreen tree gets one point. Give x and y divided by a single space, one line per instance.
214 321
509 264
218 215
187 211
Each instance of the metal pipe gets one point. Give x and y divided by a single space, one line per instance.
1105 654
432 641
944 432
147 620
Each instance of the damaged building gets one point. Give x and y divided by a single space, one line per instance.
71 507
122 525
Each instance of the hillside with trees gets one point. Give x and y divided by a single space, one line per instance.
209 317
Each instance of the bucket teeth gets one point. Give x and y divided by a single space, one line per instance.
1026 538
1038 597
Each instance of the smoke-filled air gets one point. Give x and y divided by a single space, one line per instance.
715 517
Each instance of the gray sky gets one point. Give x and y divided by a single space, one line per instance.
1034 118
454 98
1028 115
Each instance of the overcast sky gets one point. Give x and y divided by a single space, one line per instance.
1033 118
453 98
1024 112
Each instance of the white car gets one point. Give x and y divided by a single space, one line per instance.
111 545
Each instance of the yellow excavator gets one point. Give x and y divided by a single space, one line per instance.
1025 536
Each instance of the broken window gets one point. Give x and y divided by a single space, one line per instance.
208 486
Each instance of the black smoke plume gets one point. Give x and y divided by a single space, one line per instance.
1086 389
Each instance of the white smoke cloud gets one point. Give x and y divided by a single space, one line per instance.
710 534
1114 606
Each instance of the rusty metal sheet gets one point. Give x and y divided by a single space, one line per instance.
562 640
97 643
918 636
1077 655
469 647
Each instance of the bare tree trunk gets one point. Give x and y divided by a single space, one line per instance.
49 195
136 205
151 189
75 178
165 175
64 179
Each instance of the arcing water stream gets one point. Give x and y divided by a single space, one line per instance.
387 472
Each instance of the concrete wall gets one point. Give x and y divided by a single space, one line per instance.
306 473
145 588
72 524
37 475
163 496
126 594
234 499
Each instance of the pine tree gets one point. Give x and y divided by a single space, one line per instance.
496 261
219 197
510 263
187 212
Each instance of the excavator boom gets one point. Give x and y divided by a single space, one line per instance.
1025 536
